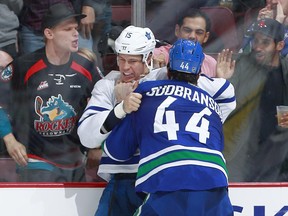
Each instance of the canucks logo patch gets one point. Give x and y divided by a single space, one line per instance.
6 74
56 117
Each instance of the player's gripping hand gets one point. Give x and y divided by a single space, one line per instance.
132 102
122 90
16 149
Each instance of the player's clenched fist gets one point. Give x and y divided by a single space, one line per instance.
122 90
132 102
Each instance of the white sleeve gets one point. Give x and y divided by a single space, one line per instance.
222 92
98 108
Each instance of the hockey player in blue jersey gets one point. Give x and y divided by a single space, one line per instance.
178 130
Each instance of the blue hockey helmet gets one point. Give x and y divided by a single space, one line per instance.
186 56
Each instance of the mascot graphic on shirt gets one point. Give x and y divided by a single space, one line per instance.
56 118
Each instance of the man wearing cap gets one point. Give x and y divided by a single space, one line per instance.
93 28
49 90
274 9
255 143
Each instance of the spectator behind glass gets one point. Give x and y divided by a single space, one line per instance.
275 9
256 147
100 28
195 25
50 89
5 126
93 28
9 26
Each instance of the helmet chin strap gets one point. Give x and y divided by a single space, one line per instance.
150 67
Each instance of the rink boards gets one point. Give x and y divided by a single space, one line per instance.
81 199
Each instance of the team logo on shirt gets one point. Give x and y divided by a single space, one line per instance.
6 74
56 117
60 78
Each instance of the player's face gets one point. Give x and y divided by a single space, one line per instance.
131 67
193 29
65 35
265 50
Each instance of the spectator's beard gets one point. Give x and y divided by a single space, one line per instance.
259 59
262 59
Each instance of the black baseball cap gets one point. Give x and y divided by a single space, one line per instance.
57 13
269 27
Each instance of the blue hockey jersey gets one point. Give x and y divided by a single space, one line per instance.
178 129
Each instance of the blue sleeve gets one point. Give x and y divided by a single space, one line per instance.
121 144
5 126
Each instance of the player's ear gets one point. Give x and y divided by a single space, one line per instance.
280 45
177 30
48 33
207 34
149 58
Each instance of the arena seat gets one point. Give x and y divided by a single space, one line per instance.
223 27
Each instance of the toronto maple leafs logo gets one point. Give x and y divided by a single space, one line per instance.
56 118
148 35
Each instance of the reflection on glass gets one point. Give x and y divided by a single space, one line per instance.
252 136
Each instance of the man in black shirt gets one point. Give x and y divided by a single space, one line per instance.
255 143
49 91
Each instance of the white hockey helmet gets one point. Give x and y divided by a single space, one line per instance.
136 41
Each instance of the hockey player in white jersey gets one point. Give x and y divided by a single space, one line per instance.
178 130
107 106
